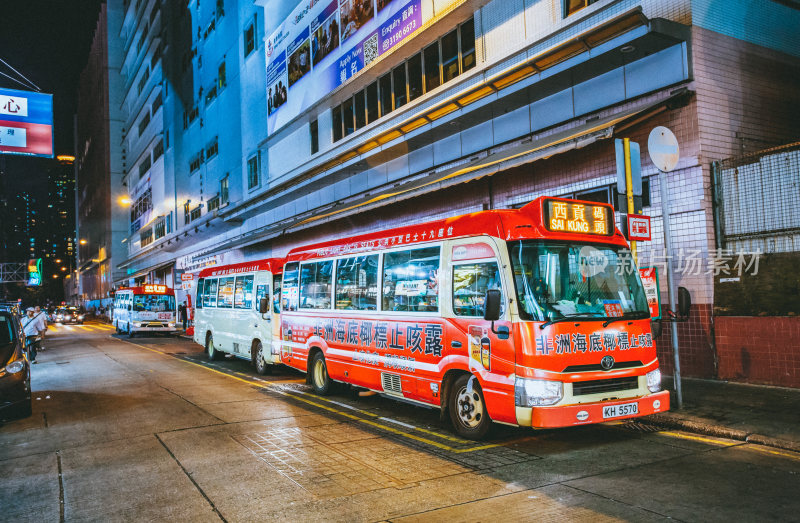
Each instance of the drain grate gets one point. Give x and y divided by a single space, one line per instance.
638 426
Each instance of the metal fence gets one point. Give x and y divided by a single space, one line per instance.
757 201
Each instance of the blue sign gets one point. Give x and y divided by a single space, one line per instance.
26 123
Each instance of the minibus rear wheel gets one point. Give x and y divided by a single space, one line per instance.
258 359
213 354
320 381
467 408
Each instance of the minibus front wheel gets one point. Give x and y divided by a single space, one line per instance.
257 355
467 408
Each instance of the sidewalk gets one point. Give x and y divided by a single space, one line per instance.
754 413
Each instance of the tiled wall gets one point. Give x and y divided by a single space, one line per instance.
759 350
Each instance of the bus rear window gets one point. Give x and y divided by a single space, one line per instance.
411 280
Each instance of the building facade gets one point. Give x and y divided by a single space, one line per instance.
292 122
99 194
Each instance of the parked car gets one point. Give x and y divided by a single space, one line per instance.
69 315
15 369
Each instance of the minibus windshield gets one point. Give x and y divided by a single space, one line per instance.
556 280
153 303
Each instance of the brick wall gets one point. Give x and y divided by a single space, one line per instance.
759 349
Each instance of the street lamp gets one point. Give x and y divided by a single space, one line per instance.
82 241
124 201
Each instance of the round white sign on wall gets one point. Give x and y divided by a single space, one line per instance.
662 146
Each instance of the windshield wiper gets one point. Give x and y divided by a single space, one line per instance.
570 317
635 315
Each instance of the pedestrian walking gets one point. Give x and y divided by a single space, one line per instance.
41 316
32 328
182 316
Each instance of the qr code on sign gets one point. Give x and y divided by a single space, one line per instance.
371 49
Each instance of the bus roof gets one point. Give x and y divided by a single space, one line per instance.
524 223
273 265
149 288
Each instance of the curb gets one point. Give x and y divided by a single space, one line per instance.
722 432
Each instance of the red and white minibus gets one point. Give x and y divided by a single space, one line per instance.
532 317
237 311
147 308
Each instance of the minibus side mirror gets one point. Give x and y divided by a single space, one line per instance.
491 305
657 327
491 312
684 302
263 306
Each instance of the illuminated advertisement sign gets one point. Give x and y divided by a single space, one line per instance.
34 272
582 218
324 43
155 289
26 123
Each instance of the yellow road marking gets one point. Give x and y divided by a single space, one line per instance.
300 397
699 438
766 450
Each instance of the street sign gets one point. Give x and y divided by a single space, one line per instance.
26 123
187 276
662 146
638 228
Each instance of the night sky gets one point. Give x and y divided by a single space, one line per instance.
47 41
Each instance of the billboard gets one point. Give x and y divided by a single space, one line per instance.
324 43
26 123
34 272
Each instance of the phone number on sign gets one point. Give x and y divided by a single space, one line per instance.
399 35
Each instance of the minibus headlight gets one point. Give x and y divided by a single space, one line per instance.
137 324
170 324
654 380
537 393
15 366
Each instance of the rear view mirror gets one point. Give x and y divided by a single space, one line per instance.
657 327
684 302
491 305
263 306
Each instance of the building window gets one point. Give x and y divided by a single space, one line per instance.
190 116
160 228
187 217
143 123
438 63
146 237
144 166
158 102
143 80
223 190
158 150
313 129
212 148
211 94
253 170
222 79
196 213
572 6
196 162
220 8
250 38
210 28
142 204
213 203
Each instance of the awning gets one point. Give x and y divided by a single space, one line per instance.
490 162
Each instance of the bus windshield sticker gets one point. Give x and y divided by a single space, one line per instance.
472 251
613 308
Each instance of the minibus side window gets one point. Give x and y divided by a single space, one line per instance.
276 294
411 280
210 296
357 283
198 299
243 293
315 285
470 283
262 291
225 293
290 290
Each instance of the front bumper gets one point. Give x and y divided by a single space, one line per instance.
14 388
587 413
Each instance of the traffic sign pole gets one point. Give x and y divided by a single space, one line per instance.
663 149
629 190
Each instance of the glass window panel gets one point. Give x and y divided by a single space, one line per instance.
400 95
372 102
315 285
243 293
450 56
470 283
225 293
276 294
415 77
210 295
262 291
290 292
337 123
386 94
357 283
361 113
433 77
468 45
347 116
201 291
411 280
